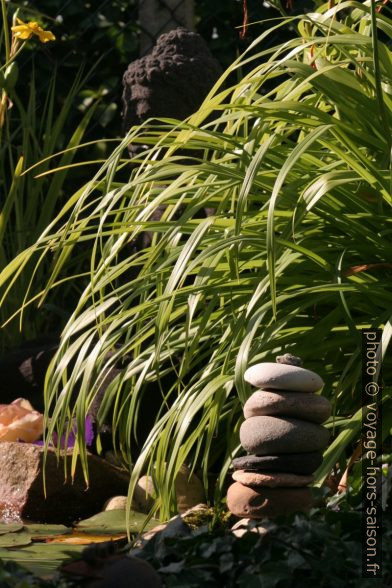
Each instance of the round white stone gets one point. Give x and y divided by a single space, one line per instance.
280 376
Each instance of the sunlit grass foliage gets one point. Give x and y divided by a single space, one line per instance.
295 161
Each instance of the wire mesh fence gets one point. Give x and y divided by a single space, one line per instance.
160 16
104 36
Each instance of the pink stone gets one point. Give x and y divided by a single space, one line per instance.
271 480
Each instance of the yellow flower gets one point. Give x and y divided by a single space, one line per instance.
25 31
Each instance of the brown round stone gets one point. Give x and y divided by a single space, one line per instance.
300 405
266 435
293 463
256 503
271 480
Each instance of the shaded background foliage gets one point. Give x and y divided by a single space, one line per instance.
95 40
102 37
221 301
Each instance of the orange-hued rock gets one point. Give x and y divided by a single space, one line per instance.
271 480
20 422
256 503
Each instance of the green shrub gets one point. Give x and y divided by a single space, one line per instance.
295 161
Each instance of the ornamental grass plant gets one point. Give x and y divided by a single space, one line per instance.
295 161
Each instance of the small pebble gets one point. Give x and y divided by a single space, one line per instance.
289 359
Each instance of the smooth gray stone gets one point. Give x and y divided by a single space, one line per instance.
266 435
299 405
281 376
294 463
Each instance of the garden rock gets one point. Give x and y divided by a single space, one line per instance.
21 484
260 502
245 526
299 405
20 422
280 376
280 479
144 495
295 463
116 503
175 526
266 435
188 487
284 450
189 490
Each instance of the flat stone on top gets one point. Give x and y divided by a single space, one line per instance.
267 435
300 405
281 376
272 480
294 463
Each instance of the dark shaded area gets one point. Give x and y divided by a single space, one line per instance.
23 372
170 82
323 549
64 502
295 463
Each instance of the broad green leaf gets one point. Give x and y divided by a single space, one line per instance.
114 521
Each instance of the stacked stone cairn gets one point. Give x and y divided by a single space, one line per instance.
283 435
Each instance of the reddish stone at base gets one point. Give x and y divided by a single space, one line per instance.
256 503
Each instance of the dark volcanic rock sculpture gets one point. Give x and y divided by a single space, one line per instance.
170 82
